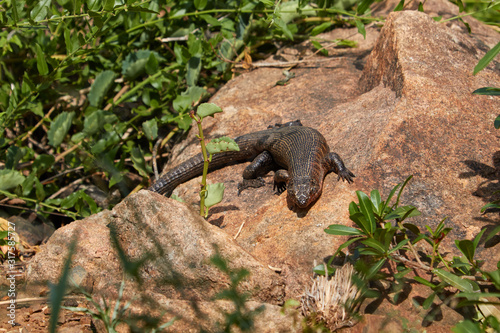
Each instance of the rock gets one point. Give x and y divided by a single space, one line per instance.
175 243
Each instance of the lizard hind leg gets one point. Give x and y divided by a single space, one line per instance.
252 175
334 163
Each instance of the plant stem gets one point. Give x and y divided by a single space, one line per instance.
203 191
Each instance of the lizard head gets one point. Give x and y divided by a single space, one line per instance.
303 191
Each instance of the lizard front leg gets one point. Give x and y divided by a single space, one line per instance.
260 166
334 163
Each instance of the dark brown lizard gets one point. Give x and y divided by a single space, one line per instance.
299 155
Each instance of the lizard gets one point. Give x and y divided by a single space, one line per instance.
299 155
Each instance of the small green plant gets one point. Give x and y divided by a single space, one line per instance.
380 245
211 194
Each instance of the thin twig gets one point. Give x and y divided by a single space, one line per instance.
239 231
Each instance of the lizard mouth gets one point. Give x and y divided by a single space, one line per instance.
304 193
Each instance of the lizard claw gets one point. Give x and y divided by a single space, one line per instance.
279 187
346 175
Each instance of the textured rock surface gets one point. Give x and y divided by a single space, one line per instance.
404 108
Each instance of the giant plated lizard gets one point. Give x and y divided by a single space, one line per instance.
299 155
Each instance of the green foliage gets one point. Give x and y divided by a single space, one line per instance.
94 83
376 242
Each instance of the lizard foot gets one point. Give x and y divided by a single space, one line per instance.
280 187
346 175
247 183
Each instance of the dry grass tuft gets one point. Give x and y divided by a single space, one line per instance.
332 301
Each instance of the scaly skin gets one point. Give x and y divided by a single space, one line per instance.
299 155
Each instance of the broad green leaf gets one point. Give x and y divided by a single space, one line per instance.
10 179
222 144
39 191
41 64
14 155
207 109
467 326
43 162
490 205
72 42
150 128
467 248
478 238
375 268
193 70
488 57
95 122
376 201
152 64
375 244
211 20
109 5
139 162
342 230
40 11
363 6
413 228
320 28
408 211
215 193
59 128
28 184
268 3
200 4
456 281
492 91
103 82
361 28
283 27
366 209
353 208
400 245
420 7
320 270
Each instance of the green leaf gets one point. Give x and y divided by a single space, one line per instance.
492 91
456 281
222 144
10 179
41 64
193 70
109 5
318 46
40 11
207 109
413 228
375 244
490 205
14 155
365 206
100 87
59 128
268 3
95 122
200 4
424 282
139 162
428 301
150 128
211 20
43 162
72 42
375 268
400 6
215 193
152 64
320 28
363 6
376 201
342 230
467 248
361 28
400 245
488 57
405 211
467 326
283 27
420 7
